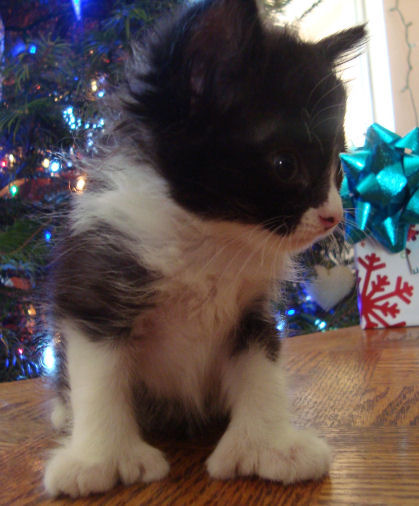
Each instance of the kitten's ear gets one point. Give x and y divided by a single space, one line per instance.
343 46
220 36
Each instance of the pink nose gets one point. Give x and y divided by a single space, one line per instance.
329 222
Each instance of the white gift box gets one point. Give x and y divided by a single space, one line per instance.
388 283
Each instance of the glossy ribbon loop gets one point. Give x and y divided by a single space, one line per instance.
381 188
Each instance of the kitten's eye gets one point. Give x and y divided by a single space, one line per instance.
286 166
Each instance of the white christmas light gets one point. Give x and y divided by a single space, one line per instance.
48 358
81 183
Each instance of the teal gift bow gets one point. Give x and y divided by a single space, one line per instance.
381 187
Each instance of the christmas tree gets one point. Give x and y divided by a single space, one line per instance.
61 61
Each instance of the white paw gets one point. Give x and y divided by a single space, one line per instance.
72 473
294 456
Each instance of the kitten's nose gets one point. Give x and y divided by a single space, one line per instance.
331 212
329 221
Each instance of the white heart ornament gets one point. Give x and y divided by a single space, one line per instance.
330 286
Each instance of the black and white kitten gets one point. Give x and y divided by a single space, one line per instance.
223 164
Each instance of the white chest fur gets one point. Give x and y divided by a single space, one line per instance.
185 341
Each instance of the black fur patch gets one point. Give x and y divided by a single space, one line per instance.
158 416
99 284
257 327
224 97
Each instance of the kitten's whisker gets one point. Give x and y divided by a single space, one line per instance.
324 120
319 83
321 111
327 93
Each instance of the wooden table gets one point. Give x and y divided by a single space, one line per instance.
358 388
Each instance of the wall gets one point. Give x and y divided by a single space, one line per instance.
398 51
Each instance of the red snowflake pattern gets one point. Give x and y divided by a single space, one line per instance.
412 233
376 308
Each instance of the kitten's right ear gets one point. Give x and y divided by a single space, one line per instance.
218 36
343 46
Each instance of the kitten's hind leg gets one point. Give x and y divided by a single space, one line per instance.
260 439
105 444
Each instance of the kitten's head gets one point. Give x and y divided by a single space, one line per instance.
246 119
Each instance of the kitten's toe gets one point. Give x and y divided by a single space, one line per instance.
71 473
67 474
297 457
302 457
142 462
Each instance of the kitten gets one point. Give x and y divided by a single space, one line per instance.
222 166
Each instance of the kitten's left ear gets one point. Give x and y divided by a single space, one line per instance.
343 46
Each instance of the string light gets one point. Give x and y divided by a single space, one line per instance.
320 324
281 325
410 47
81 183
54 166
48 358
77 8
70 118
31 310
45 163
13 190
47 235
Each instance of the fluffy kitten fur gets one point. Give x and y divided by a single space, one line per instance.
222 165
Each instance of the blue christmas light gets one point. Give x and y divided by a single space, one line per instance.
281 325
291 312
70 118
32 49
77 8
101 93
47 235
54 166
18 48
280 321
320 324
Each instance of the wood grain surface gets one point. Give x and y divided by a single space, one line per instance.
359 389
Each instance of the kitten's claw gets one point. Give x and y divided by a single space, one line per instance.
297 457
74 474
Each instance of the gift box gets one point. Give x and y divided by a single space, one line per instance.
388 285
381 197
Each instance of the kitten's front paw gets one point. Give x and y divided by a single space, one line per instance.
71 473
294 456
67 473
